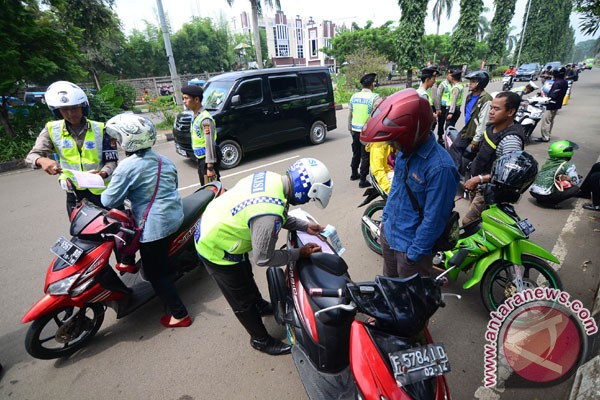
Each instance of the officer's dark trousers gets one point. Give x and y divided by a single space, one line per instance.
452 121
360 157
441 125
202 171
239 288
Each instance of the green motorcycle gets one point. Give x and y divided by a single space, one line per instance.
502 259
496 249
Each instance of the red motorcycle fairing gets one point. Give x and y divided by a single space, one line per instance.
370 371
373 375
303 307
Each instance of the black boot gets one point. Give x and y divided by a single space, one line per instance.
271 346
363 183
355 176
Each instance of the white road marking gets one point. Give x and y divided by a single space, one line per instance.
244 171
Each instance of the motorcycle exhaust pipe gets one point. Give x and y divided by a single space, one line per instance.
371 225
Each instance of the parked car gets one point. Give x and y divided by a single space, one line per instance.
254 109
34 95
14 105
553 64
528 72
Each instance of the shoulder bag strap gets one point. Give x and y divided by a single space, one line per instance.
143 221
411 195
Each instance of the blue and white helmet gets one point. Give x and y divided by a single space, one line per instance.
310 181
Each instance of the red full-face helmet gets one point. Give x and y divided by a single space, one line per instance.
404 117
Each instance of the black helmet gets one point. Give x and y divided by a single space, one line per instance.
512 174
481 76
560 72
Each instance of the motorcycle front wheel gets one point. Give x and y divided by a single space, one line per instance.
498 283
374 212
63 331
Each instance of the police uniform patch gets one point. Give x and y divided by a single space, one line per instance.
89 145
111 155
67 144
258 182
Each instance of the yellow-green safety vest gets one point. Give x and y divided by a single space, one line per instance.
446 98
362 105
71 159
198 141
460 95
426 92
223 237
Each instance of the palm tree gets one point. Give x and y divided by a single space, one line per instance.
256 7
511 40
483 23
438 10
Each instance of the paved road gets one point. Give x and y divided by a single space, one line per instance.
136 358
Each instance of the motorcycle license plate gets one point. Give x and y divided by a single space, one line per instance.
67 251
419 363
526 227
180 151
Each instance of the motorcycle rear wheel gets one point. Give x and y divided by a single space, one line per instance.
497 285
374 212
63 331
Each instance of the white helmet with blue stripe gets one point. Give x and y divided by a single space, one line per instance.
310 181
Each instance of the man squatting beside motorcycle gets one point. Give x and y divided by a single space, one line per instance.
422 167
73 142
249 217
204 134
501 137
477 108
137 178
361 104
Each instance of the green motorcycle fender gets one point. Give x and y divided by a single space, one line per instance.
513 253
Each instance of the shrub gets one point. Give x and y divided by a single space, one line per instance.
127 92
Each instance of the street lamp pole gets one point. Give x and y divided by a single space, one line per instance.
172 68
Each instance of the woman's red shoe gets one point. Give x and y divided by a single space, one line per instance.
166 321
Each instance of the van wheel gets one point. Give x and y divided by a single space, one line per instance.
318 132
231 154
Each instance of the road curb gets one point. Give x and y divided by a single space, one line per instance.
586 385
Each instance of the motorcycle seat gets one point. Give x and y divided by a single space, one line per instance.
193 203
312 276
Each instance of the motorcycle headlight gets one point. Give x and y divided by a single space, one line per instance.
61 287
79 289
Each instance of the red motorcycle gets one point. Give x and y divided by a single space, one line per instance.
388 353
81 284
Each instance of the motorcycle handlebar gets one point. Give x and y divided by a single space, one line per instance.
127 231
323 292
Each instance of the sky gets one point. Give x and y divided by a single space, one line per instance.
133 12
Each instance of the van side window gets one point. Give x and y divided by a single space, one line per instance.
315 83
250 92
284 86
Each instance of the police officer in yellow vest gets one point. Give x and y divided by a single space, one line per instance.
249 217
204 134
443 94
73 143
456 99
428 77
361 105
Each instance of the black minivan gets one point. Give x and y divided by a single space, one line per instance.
259 108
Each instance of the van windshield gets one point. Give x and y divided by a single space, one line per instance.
215 94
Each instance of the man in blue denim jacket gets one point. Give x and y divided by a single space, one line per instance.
423 170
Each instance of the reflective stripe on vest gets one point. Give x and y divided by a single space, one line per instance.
447 92
488 140
223 237
198 141
362 106
90 157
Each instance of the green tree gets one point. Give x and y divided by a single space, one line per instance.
410 33
590 21
35 50
483 25
585 49
438 9
201 46
256 7
381 40
363 61
437 46
142 55
98 28
498 38
464 37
